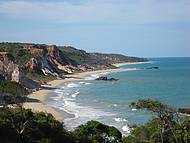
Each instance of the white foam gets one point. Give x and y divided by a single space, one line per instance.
86 83
58 91
94 76
120 120
82 114
134 109
81 82
71 85
126 129
66 101
75 94
134 63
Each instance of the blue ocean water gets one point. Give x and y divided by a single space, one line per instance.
108 102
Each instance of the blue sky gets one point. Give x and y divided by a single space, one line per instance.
146 28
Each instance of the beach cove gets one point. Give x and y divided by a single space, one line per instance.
80 99
42 94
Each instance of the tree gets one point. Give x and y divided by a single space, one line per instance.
23 126
168 126
96 132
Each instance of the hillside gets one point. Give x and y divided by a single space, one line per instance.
97 60
42 62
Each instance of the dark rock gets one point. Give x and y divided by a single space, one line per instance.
184 110
153 68
104 78
2 78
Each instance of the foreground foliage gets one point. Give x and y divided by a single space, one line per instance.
167 127
19 125
24 126
96 132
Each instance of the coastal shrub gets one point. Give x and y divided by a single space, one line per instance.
11 92
24 126
19 125
40 77
11 48
23 57
96 132
168 126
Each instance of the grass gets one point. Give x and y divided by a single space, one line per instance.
40 78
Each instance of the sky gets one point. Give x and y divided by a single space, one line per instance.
145 28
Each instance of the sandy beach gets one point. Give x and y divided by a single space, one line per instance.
40 96
38 105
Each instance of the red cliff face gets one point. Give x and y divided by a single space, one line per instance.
51 61
5 57
32 64
53 52
56 55
33 49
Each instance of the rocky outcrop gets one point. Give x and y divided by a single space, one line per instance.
8 71
184 110
32 64
5 57
150 68
2 78
52 61
104 78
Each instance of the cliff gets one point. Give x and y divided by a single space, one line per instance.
5 57
56 61
93 61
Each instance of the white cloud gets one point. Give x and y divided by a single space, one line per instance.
121 11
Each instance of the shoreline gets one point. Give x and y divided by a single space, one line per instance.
43 94
122 64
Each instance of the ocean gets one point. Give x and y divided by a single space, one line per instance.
108 102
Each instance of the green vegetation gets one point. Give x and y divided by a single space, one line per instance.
15 49
12 87
23 57
11 92
18 125
24 126
96 132
40 77
12 48
78 56
167 127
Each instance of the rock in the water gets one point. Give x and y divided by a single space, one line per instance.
153 68
104 78
184 110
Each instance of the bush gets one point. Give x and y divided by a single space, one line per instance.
11 92
96 132
168 126
24 126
